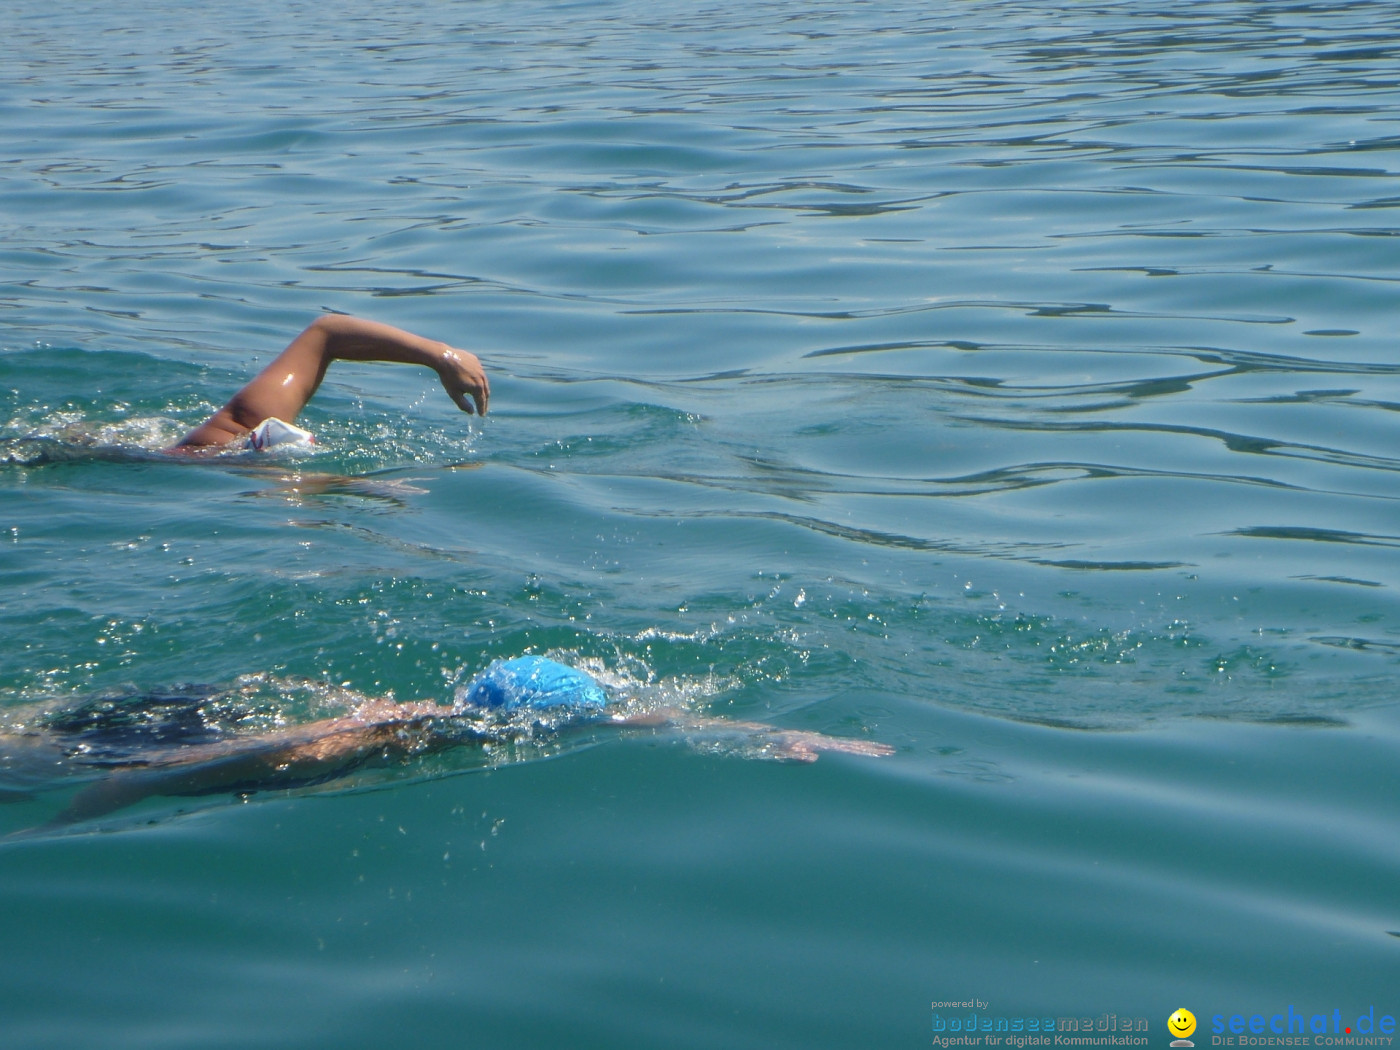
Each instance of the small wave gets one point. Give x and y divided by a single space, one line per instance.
66 438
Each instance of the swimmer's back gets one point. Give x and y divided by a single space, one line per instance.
117 729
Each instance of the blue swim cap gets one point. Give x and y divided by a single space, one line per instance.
536 683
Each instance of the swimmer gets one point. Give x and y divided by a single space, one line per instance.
281 390
187 743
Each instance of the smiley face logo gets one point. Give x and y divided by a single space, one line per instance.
1182 1023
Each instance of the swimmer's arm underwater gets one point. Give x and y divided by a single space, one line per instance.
297 757
765 741
282 389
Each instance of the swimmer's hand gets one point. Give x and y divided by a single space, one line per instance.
795 745
758 739
464 380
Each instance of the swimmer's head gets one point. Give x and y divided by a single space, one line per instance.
534 683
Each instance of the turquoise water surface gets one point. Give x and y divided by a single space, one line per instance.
1013 383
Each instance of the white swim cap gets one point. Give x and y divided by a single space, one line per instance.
272 431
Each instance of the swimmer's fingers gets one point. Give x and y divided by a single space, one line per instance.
757 739
794 745
465 380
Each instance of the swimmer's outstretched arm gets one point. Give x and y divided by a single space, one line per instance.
764 741
283 388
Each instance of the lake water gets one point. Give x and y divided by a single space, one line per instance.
1011 382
